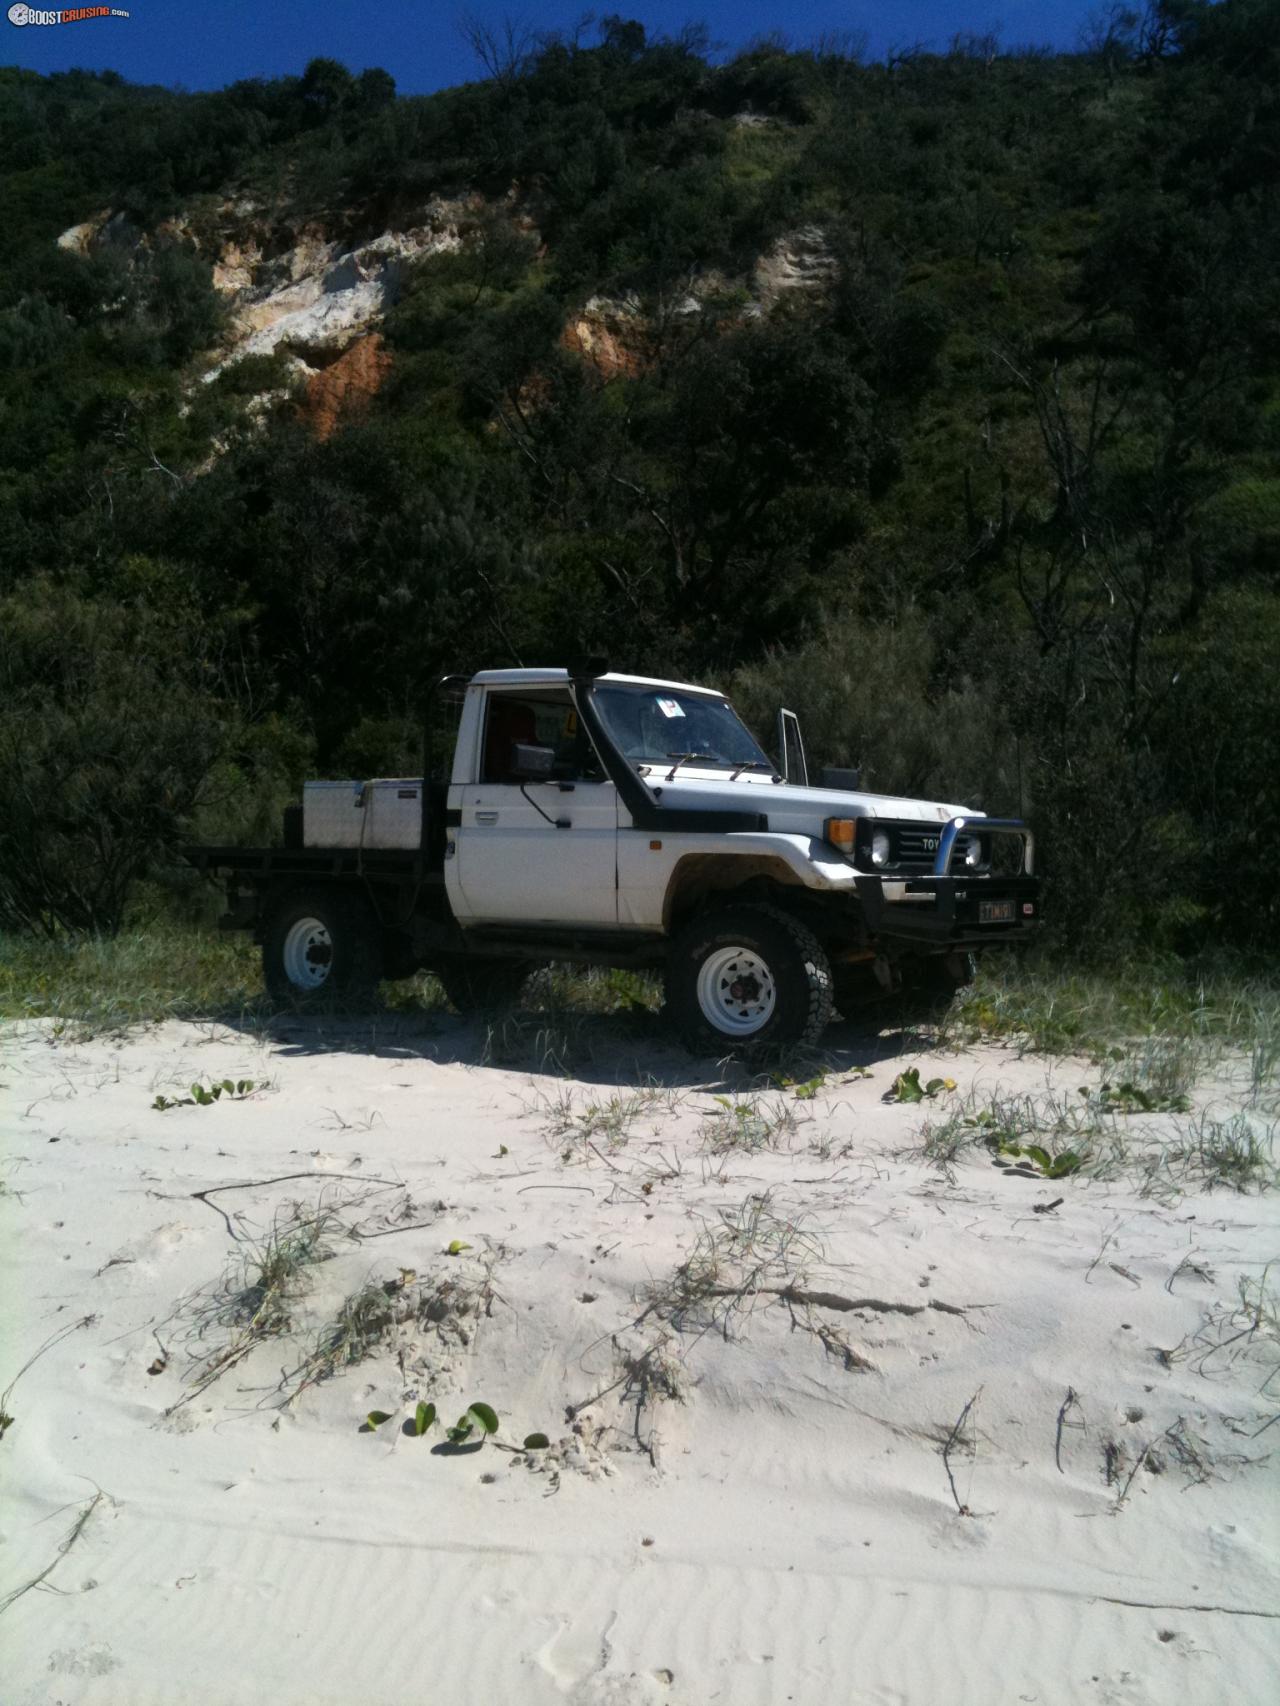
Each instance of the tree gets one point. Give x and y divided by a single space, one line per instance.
326 88
503 50
109 729
375 89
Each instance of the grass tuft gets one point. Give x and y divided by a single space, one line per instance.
1231 1154
1172 1022
1247 1330
582 1128
447 1308
1055 1122
259 1293
747 1124
749 1254
1201 1153
94 984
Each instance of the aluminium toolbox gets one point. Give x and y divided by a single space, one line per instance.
384 812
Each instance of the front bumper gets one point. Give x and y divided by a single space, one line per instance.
946 911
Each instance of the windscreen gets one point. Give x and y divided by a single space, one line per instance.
657 725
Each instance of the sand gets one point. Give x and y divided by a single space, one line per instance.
745 1498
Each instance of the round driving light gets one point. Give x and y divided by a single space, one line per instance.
880 848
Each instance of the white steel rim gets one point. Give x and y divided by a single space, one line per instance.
736 991
308 954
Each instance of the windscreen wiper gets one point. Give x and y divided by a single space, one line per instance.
751 764
684 757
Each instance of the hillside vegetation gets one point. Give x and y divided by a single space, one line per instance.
939 398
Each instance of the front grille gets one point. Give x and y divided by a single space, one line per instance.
915 847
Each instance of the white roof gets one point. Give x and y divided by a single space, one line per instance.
550 677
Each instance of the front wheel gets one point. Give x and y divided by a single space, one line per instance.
320 946
746 979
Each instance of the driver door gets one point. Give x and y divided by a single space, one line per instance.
537 852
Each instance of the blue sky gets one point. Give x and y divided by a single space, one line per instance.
204 44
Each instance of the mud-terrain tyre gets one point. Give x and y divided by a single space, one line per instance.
747 980
482 986
320 946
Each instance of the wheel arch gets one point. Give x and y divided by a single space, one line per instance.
698 876
280 888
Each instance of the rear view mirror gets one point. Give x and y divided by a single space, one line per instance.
531 763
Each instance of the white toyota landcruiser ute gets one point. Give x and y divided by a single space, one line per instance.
615 820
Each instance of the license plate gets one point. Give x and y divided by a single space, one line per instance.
995 912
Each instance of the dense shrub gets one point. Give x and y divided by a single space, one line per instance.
993 504
108 732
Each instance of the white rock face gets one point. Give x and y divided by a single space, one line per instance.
613 307
317 298
104 231
313 298
234 269
799 260
78 239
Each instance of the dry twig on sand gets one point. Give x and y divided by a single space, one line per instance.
954 1438
278 1179
755 1256
1069 1403
6 1420
1123 1494
64 1546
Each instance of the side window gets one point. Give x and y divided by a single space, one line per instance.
544 718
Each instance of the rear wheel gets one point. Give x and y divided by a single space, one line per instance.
746 979
320 946
482 986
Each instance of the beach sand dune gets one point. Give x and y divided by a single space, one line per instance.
748 1322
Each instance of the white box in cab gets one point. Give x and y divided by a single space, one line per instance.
386 812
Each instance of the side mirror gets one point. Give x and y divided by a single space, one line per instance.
531 763
847 781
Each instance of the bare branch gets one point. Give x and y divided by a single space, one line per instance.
954 1438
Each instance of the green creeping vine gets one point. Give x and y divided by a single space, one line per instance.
477 1416
907 1087
205 1095
1133 1099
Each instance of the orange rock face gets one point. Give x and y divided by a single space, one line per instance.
614 344
346 385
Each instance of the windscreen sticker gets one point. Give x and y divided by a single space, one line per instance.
670 708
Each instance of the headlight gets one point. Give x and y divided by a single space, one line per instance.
880 848
973 851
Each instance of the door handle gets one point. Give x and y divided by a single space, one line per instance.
486 817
